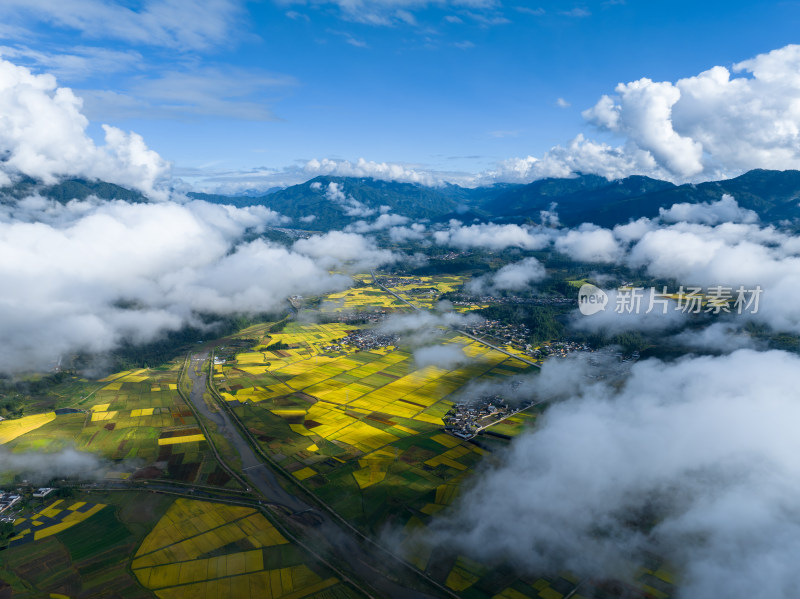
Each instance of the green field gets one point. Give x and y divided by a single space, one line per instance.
134 419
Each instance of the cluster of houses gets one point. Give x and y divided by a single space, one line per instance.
467 418
362 316
558 349
365 339
463 299
514 334
8 500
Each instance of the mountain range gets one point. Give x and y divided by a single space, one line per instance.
773 195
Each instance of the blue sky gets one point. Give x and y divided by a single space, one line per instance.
222 86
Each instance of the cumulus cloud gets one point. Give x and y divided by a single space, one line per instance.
717 337
642 310
692 461
726 209
339 249
713 244
384 221
367 168
491 236
43 135
580 155
350 205
511 277
447 356
86 275
549 217
414 232
589 243
713 122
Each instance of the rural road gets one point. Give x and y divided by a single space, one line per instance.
253 468
331 540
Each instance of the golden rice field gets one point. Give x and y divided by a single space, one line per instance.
55 518
423 292
11 429
347 388
136 417
370 297
202 550
361 429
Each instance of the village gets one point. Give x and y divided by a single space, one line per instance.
364 339
468 418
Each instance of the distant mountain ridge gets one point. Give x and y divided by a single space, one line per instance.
70 189
414 201
773 195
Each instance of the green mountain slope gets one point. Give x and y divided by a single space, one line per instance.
71 189
773 195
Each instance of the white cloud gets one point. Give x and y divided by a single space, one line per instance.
392 12
644 116
726 209
43 135
367 168
421 328
577 12
228 92
491 236
579 156
179 24
714 122
86 275
715 250
511 277
589 243
718 336
77 64
338 249
384 221
414 232
447 356
352 207
693 461
626 313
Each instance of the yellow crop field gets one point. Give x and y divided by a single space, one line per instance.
182 439
351 387
169 559
11 429
304 473
99 416
141 412
464 574
369 297
55 518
